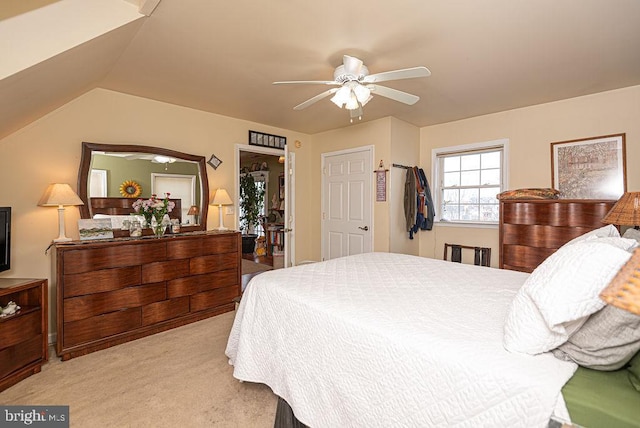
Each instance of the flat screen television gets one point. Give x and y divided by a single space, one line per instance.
5 238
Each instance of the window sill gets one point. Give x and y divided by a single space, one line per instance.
469 224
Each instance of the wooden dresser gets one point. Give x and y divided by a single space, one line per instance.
532 229
111 292
23 335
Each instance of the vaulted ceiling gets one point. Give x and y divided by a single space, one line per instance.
222 57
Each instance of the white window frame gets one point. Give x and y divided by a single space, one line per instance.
502 144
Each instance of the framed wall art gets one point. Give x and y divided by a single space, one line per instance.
214 161
266 140
590 168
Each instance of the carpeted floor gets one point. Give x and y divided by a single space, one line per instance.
252 267
180 377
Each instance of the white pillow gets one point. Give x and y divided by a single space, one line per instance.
632 234
622 243
559 296
608 231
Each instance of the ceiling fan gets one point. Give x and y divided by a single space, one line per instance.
356 86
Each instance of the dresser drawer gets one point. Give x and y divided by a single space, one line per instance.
92 259
102 326
164 271
20 355
13 330
101 280
78 308
212 263
195 284
214 298
165 310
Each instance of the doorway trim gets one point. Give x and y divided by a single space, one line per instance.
250 149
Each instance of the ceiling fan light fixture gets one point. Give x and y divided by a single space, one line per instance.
163 159
342 96
363 94
353 103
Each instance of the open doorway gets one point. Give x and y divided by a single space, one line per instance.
264 167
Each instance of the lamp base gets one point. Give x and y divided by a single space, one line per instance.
62 236
221 226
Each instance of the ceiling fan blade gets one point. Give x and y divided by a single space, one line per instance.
394 94
352 65
407 73
307 82
315 99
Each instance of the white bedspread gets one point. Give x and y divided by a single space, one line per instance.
383 340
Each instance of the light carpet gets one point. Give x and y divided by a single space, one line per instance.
180 377
252 267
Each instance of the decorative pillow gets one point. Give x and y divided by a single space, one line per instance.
533 193
622 243
634 371
608 231
559 295
632 234
606 341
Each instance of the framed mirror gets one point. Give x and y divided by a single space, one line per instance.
112 176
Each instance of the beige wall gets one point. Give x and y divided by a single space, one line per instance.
405 150
49 149
530 131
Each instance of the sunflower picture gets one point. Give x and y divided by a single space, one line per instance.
130 189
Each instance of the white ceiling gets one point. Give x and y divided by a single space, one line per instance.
222 57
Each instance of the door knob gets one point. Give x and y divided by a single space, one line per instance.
363 228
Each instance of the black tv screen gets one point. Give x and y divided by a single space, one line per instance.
5 238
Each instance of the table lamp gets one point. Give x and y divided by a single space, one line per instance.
59 194
221 198
626 212
194 211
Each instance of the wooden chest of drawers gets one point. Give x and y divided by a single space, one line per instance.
23 336
533 229
116 291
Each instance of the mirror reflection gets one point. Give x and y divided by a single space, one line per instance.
112 177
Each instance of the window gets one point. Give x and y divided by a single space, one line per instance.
467 180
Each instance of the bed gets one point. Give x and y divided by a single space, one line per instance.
389 340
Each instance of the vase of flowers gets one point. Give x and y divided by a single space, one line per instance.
154 211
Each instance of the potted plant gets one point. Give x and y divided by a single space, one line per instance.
251 200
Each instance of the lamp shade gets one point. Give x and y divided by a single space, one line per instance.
194 210
626 212
59 194
624 290
221 198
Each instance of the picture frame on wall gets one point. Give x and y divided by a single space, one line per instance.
214 162
266 140
590 168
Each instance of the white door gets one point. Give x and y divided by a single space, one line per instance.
347 203
289 209
179 186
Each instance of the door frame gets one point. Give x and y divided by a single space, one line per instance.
289 193
371 150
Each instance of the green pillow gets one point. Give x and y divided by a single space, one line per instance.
634 371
